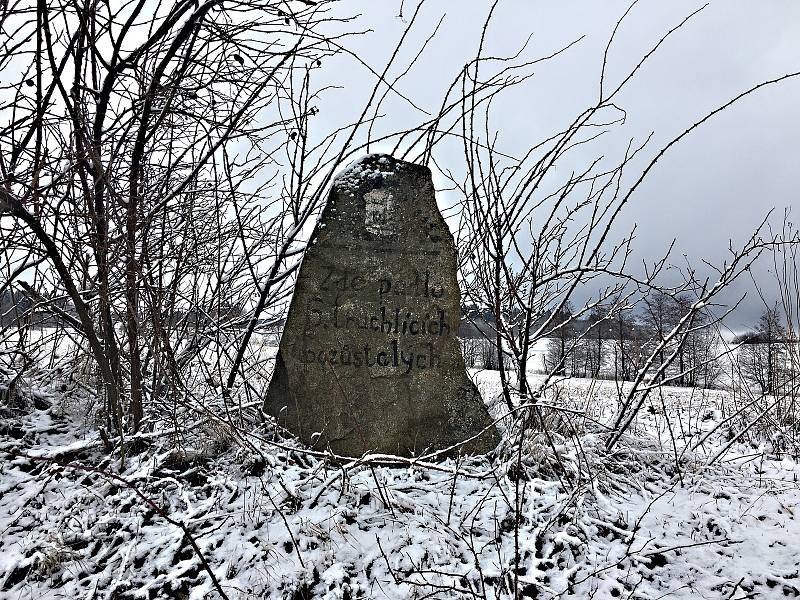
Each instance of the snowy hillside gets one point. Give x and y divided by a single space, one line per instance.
269 519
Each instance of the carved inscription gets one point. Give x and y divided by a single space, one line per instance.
410 334
342 281
358 357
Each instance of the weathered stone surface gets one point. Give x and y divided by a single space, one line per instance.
369 359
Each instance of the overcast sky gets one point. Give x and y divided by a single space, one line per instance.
716 185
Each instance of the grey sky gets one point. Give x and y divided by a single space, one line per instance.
716 185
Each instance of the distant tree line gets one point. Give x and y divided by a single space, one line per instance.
765 358
605 343
25 306
616 344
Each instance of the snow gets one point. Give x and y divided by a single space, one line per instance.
274 522
349 179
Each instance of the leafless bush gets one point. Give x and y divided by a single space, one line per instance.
161 171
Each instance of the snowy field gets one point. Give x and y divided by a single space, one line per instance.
271 521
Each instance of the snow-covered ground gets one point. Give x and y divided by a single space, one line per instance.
272 521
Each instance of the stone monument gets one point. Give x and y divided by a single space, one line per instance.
369 359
